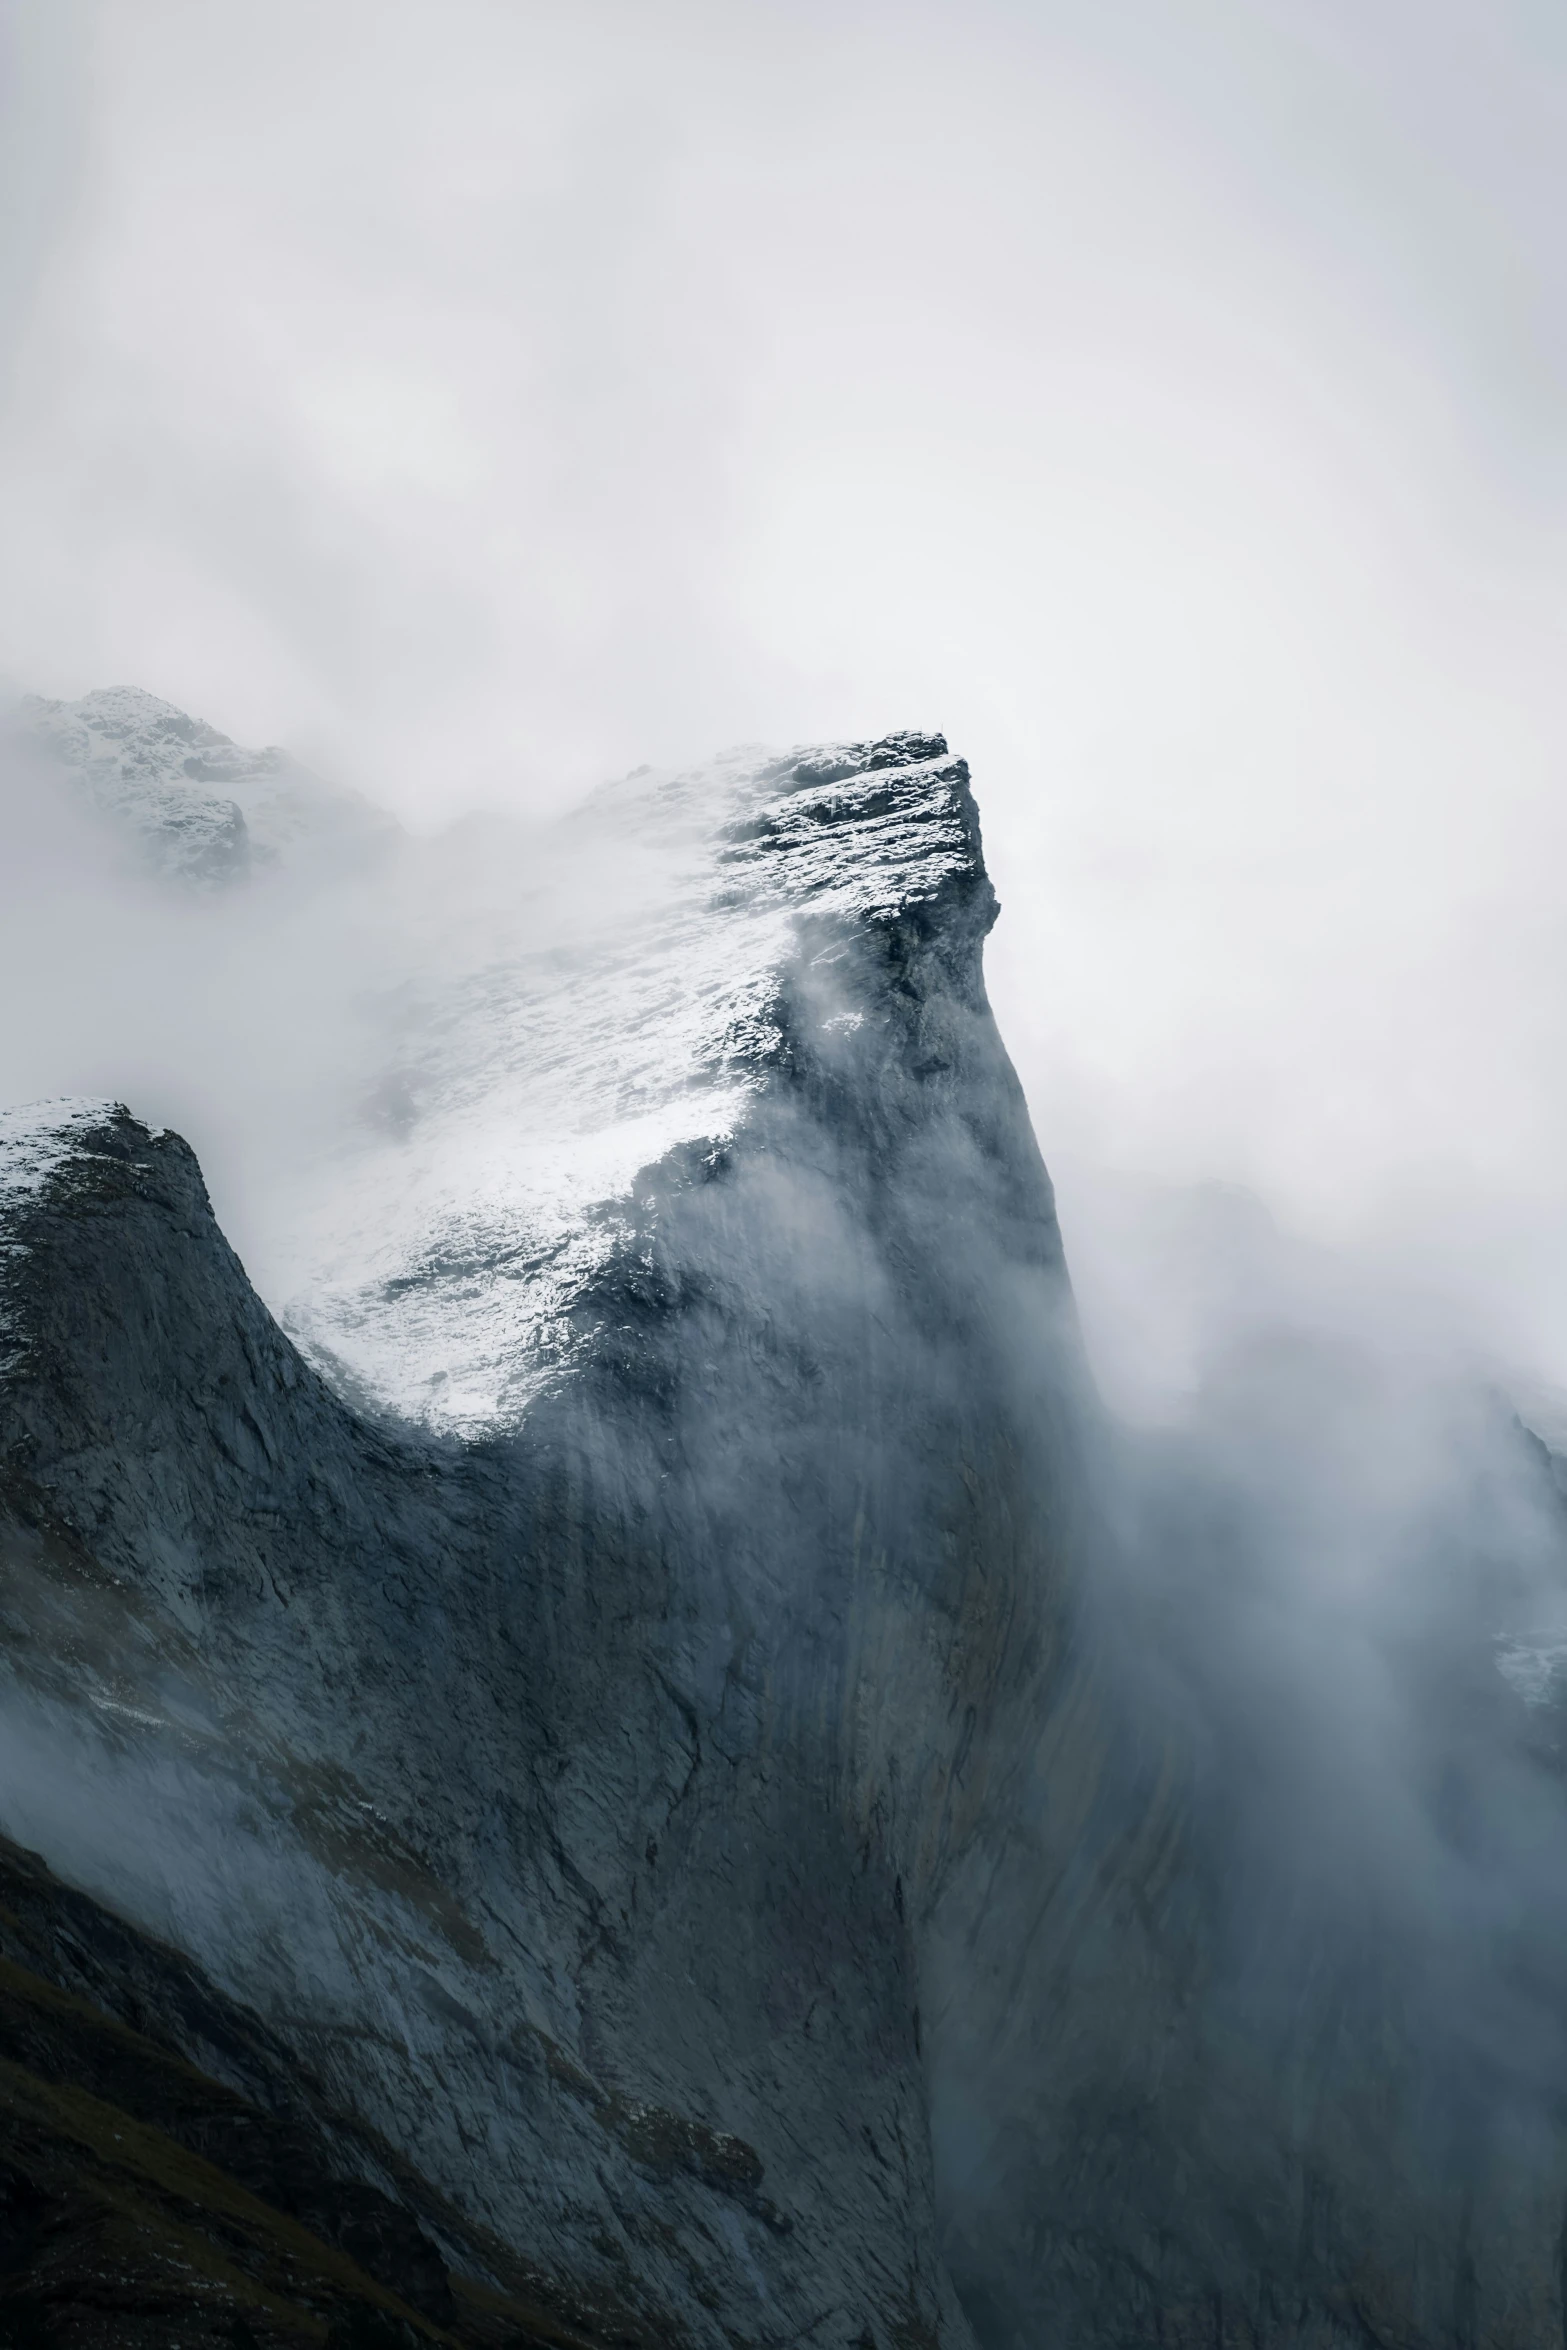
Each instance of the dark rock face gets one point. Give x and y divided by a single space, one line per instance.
610 1826
144 2200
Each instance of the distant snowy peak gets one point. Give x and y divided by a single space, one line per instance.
146 769
199 808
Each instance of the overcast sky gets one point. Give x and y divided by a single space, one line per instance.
1164 397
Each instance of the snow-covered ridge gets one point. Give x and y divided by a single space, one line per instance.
553 1012
620 1006
199 808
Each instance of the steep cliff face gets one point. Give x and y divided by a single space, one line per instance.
569 1784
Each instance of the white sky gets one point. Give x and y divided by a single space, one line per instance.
1164 397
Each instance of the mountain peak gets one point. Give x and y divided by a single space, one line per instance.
637 985
197 808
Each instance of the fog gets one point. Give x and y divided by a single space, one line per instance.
1164 402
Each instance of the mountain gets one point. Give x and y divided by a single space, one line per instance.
192 805
646 1714
564 1772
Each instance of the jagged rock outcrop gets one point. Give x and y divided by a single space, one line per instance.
656 1686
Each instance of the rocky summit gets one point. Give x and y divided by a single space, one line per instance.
188 804
608 1767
